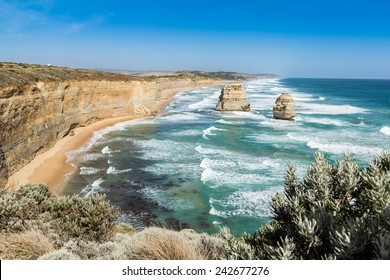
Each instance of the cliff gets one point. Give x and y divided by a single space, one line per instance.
233 98
34 116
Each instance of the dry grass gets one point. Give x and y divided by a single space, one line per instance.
161 244
28 245
124 229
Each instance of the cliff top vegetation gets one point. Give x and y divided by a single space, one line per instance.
20 73
14 74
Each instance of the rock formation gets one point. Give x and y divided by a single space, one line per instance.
284 108
33 117
233 98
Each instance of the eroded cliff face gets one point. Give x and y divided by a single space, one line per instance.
33 117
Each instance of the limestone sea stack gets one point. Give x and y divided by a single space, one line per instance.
233 98
284 108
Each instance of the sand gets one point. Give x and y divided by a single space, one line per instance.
52 167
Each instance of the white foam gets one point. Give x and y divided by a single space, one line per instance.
207 102
229 122
106 150
244 203
93 188
340 148
113 170
280 124
281 89
205 151
188 169
88 170
180 117
246 115
321 98
327 121
155 149
189 132
300 138
228 177
385 130
327 109
209 131
91 156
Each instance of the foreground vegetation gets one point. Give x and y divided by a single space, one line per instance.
339 211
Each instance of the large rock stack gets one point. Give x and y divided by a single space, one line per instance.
284 108
233 98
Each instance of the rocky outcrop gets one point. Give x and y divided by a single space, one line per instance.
284 108
34 117
233 98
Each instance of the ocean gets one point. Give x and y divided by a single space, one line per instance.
198 168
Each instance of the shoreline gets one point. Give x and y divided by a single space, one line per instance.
52 167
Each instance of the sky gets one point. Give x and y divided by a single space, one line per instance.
324 39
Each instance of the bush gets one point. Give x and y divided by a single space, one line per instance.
28 245
339 211
64 218
18 208
86 250
87 218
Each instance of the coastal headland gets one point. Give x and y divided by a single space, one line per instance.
47 111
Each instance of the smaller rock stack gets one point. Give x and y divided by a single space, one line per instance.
233 98
284 108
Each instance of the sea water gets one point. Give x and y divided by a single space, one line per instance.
198 168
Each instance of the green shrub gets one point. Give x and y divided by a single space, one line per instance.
19 207
87 218
339 211
63 218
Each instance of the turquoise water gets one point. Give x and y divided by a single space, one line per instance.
194 167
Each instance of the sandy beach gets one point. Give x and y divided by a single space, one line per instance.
52 168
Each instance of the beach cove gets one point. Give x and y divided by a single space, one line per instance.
52 167
194 167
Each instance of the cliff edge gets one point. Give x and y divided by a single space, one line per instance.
37 111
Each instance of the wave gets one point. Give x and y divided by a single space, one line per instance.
93 188
207 102
385 130
113 170
161 150
221 172
244 204
106 150
326 109
180 117
205 151
340 148
88 170
209 131
228 122
247 115
327 121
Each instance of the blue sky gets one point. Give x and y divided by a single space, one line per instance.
344 39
